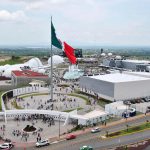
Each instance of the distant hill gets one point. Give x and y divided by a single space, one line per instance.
40 51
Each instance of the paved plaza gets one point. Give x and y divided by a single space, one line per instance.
14 130
62 101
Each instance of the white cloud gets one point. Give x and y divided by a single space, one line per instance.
35 5
17 16
43 4
99 21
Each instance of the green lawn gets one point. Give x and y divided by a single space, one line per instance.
101 102
0 101
33 94
63 85
130 130
11 61
79 108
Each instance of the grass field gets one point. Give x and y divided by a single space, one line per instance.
33 94
80 108
100 101
0 101
11 61
129 130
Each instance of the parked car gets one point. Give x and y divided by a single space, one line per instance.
133 102
142 101
6 146
137 101
42 143
86 147
95 130
70 137
127 102
145 100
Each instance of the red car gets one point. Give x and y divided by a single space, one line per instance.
70 136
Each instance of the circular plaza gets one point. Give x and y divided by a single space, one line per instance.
34 108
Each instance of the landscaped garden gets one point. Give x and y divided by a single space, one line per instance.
82 97
100 101
29 128
129 130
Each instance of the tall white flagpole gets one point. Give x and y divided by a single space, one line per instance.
51 76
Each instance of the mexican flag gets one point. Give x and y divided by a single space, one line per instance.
55 41
69 51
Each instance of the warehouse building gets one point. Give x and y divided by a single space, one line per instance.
117 86
26 76
134 65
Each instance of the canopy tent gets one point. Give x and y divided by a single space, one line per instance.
116 108
37 82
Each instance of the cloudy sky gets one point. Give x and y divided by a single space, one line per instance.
79 22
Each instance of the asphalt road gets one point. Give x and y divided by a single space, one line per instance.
97 143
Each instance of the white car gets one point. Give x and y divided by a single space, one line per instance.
95 130
6 146
42 143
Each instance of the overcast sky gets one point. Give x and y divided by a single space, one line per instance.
78 22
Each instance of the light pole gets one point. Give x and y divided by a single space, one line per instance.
59 126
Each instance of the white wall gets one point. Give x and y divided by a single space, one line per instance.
132 90
104 88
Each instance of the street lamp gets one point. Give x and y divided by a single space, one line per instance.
59 125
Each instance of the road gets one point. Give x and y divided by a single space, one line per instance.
96 142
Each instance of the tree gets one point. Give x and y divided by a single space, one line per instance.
97 120
127 126
107 133
100 119
147 122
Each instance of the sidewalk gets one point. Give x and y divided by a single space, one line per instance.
80 132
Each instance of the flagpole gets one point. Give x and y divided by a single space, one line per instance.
51 77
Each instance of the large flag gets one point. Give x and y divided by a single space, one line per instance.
69 51
55 41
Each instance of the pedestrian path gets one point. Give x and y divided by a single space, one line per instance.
81 132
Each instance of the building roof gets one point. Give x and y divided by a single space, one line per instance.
137 61
142 74
28 73
90 115
119 77
34 82
117 105
95 113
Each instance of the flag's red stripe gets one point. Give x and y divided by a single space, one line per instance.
70 53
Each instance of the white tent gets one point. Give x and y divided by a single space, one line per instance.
116 108
56 60
35 64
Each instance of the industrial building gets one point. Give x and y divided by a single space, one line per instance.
26 76
134 65
117 86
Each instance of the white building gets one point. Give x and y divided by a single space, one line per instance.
117 86
134 65
116 108
94 116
